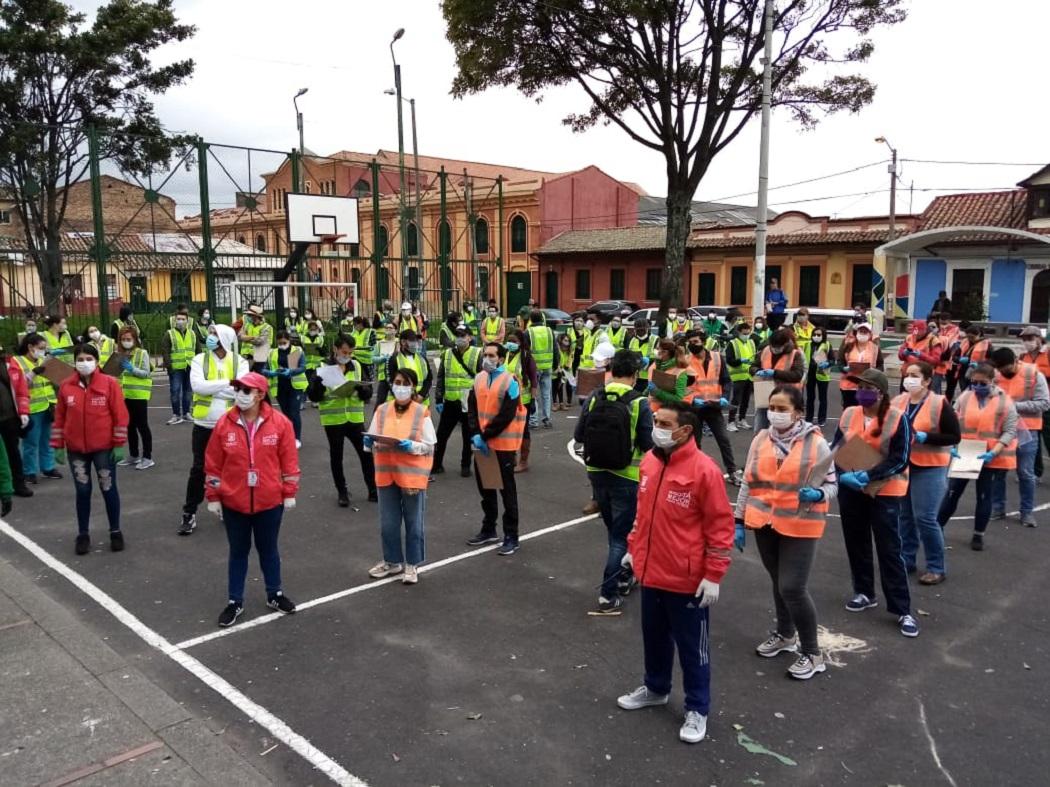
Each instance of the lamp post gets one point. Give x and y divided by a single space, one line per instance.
401 167
890 276
415 154
299 116
892 169
758 284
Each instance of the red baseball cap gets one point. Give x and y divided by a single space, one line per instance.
252 380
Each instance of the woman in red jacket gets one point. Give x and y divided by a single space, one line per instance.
91 423
251 472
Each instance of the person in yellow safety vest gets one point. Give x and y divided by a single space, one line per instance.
542 348
617 332
383 316
447 330
497 424
255 333
177 349
470 318
30 328
410 355
200 325
818 375
677 323
460 364
402 473
671 325
521 364
493 327
211 372
343 416
37 454
126 317
136 382
594 333
364 346
407 321
286 371
709 393
803 329
739 355
102 343
59 342
576 333
295 325
182 309
313 343
644 344
561 399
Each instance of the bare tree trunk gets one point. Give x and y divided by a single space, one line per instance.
49 267
679 220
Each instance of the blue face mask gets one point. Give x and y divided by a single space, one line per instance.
981 389
212 342
512 347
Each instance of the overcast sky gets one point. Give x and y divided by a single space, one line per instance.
959 80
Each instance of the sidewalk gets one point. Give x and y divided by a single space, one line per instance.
75 712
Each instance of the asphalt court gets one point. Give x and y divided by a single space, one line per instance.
490 672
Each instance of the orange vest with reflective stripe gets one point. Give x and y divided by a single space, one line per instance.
987 423
1041 361
1021 388
489 398
928 419
773 489
705 385
783 364
975 351
852 423
395 467
869 355
948 337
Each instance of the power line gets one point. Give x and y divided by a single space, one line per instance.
802 182
976 163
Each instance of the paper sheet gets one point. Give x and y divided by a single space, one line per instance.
763 388
966 464
331 376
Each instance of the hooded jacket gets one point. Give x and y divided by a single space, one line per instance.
90 417
220 390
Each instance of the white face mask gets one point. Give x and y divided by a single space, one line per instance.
39 354
244 399
283 346
589 325
780 421
94 335
180 324
87 367
1031 345
403 392
670 315
662 437
863 338
127 344
912 384
342 359
490 364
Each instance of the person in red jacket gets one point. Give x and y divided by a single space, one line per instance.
14 417
679 550
251 476
91 423
923 345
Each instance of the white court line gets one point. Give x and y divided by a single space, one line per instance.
257 713
263 619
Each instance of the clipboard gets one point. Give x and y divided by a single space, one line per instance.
311 349
383 439
293 358
261 353
763 389
855 454
112 367
345 390
856 367
587 381
967 465
488 469
665 381
56 371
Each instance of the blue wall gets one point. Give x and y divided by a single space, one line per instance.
930 278
1006 296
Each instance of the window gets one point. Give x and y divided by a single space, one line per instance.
583 284
1039 203
384 241
860 291
241 239
519 237
653 278
705 288
446 279
773 272
5 217
968 294
483 285
111 286
361 189
411 240
260 242
384 284
481 236
222 290
355 275
809 285
617 284
413 283
738 285
444 238
355 249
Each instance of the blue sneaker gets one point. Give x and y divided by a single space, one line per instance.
509 547
909 626
860 602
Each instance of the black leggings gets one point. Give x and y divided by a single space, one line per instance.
788 561
138 424
355 433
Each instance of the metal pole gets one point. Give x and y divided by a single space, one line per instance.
893 195
207 251
758 285
502 299
415 162
444 272
401 175
98 248
378 252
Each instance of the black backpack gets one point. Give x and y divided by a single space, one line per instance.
608 440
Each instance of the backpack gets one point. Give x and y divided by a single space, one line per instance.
608 440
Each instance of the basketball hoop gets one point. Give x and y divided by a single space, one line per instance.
333 239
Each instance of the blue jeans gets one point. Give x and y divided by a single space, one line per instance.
80 468
181 392
983 509
675 620
543 401
1026 455
240 528
617 500
926 490
37 453
395 507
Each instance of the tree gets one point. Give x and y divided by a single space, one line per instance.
681 77
58 78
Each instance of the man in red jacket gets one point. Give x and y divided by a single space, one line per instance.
679 549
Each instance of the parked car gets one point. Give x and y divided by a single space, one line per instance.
703 311
557 319
607 308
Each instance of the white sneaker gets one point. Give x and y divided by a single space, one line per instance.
174 420
744 424
776 645
384 569
641 698
694 728
145 464
806 666
411 576
732 426
298 443
127 461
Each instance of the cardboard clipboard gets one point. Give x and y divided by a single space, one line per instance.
855 454
857 367
763 389
383 439
294 356
967 465
345 390
665 381
261 353
587 381
56 371
112 366
488 469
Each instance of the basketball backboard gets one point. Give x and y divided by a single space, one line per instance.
316 217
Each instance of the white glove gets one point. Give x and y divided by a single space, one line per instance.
628 561
215 507
707 593
25 420
289 503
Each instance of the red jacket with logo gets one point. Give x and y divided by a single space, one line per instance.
684 526
19 386
90 418
227 461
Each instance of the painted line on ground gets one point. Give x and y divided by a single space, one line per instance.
376 583
257 713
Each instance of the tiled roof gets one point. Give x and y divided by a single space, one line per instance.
793 239
641 238
995 209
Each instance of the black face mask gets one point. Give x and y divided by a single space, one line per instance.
696 349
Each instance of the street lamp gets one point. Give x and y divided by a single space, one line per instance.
401 166
415 152
892 169
299 116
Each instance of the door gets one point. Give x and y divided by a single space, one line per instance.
968 294
860 288
519 290
809 285
138 294
1040 308
705 289
551 290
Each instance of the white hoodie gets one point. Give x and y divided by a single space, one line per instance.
220 390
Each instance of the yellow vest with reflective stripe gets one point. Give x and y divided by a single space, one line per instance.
298 381
416 363
41 392
646 348
202 403
182 348
63 340
745 354
312 361
364 346
514 367
252 331
338 410
541 343
459 377
137 387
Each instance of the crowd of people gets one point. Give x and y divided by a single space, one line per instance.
661 388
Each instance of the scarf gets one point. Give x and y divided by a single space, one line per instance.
782 441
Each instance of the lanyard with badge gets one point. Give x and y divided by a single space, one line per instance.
251 429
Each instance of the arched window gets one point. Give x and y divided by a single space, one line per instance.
355 275
444 238
481 236
241 239
519 235
384 241
384 284
361 189
411 240
260 242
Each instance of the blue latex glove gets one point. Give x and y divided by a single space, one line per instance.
764 374
269 373
854 480
823 365
920 437
964 359
652 387
740 536
285 372
987 456
955 452
723 403
645 361
405 445
440 407
480 444
368 441
125 364
58 351
808 494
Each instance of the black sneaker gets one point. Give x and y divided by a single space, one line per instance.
281 603
32 479
83 545
464 472
51 474
509 547
624 588
977 542
373 496
344 499
116 541
606 606
437 470
23 491
189 524
482 538
229 615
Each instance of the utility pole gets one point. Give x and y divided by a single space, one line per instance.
890 280
415 163
758 285
402 228
299 117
